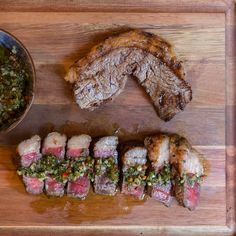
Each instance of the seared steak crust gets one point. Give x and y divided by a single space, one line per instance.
102 74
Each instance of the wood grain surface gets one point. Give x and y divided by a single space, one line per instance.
202 33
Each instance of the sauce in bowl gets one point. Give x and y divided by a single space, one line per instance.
14 80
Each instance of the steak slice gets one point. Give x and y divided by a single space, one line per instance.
54 153
189 168
133 169
81 166
101 75
159 177
106 166
29 152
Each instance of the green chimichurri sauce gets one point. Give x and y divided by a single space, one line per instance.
13 81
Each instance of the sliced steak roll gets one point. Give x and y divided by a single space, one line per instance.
29 152
53 156
159 176
189 168
81 166
55 144
106 166
133 169
101 75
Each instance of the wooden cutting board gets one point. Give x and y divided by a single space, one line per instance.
58 33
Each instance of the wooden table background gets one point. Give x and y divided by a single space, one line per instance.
51 31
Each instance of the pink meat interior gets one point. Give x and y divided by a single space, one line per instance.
135 191
29 158
162 193
53 186
79 186
56 151
33 185
191 195
74 152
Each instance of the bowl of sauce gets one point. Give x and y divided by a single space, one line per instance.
17 81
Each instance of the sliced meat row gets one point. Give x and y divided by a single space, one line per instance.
166 166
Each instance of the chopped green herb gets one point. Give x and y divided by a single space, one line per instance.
135 175
109 166
162 177
81 166
191 179
61 170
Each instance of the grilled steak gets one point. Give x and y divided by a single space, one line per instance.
102 74
133 169
81 166
106 166
54 151
189 167
29 150
159 177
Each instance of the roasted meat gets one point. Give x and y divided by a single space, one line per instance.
101 75
81 166
133 170
159 176
189 168
106 165
53 154
29 152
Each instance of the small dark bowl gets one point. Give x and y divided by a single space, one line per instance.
8 41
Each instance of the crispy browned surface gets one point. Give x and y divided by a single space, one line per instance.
136 39
178 146
153 146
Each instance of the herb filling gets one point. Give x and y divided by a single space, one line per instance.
61 171
135 175
163 177
109 166
81 166
189 178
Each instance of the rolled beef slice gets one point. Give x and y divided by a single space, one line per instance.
54 144
133 170
106 165
77 147
159 177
